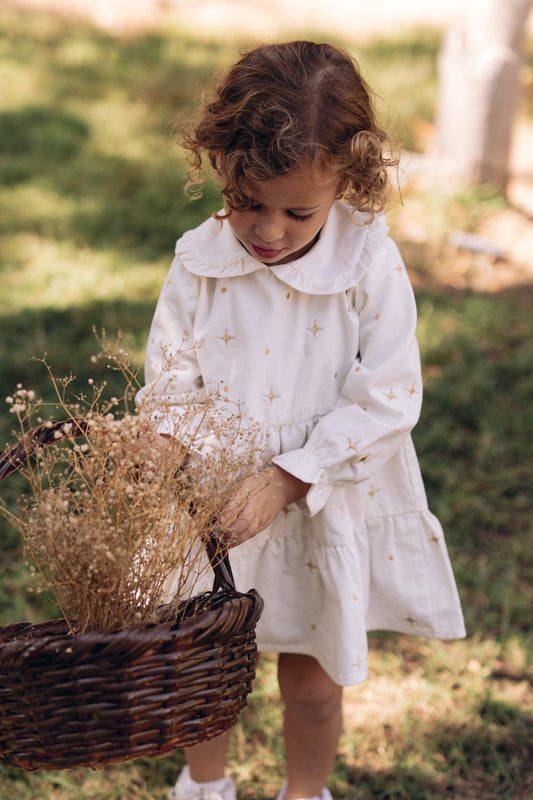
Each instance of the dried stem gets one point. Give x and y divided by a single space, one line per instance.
110 519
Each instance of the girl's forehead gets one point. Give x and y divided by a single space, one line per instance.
302 188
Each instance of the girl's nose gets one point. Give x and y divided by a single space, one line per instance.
269 229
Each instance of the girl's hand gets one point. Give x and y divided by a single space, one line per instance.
152 445
257 501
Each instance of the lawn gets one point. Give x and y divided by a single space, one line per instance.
91 204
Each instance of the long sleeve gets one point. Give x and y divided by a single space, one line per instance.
173 380
381 397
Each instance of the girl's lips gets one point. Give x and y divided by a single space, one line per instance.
263 252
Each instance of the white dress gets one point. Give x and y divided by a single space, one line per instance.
322 352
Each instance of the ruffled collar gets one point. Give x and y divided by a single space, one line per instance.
336 263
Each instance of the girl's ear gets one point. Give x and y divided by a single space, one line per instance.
341 188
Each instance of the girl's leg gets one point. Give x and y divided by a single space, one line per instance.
313 723
207 761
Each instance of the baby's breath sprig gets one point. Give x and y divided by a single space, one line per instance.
115 514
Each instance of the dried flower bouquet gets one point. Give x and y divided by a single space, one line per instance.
113 516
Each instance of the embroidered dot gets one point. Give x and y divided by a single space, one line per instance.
185 334
287 296
267 351
391 558
377 316
313 626
223 289
335 374
355 598
343 507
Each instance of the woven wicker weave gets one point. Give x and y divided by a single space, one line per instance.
102 698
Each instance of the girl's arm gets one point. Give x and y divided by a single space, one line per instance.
380 400
174 388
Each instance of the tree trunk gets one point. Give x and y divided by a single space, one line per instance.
478 92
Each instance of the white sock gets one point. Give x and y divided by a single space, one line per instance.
324 794
188 783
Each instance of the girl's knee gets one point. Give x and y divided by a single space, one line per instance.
305 686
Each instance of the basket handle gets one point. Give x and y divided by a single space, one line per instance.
51 432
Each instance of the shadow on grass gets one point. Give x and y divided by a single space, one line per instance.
61 186
66 338
68 166
489 757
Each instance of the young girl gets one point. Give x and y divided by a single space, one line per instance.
294 303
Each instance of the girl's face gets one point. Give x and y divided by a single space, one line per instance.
287 215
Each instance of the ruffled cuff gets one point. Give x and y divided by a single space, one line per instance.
306 468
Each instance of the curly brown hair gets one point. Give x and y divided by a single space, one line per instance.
291 107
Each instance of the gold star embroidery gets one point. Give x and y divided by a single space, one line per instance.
389 395
314 330
311 566
435 539
372 492
399 269
272 396
358 663
353 445
227 337
411 391
377 316
410 620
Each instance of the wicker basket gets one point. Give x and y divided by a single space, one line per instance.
101 698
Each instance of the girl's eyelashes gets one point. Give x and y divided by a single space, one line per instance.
300 217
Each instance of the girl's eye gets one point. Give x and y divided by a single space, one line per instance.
300 218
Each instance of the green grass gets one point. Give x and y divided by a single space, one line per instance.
90 208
